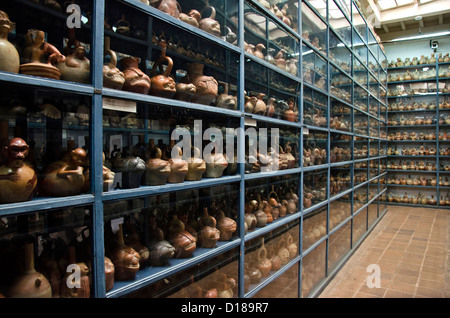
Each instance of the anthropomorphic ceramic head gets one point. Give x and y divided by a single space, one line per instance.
16 151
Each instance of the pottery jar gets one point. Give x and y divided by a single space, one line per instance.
215 165
226 226
260 106
178 167
135 80
274 259
206 86
210 25
157 170
125 259
171 7
76 67
183 241
9 57
283 252
30 283
112 76
109 274
162 84
18 181
263 263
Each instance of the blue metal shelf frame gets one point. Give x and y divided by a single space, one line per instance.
98 198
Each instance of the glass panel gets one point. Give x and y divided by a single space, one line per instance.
341 85
359 23
359 225
341 116
314 69
361 76
314 30
373 128
265 255
359 48
339 23
269 93
360 172
340 54
360 124
313 269
360 150
314 148
268 200
314 227
145 236
58 48
46 250
315 108
373 106
217 277
373 170
360 198
314 187
48 140
340 210
340 147
284 286
372 213
339 245
361 98
340 179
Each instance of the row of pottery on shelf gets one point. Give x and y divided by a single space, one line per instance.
418 198
420 61
398 136
421 165
279 59
260 105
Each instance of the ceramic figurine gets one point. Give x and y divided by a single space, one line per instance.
163 85
135 80
157 170
76 67
18 180
210 25
192 18
109 274
37 49
29 284
9 57
206 86
185 91
196 166
171 7
64 178
161 251
178 167
184 242
112 76
215 165
84 290
125 259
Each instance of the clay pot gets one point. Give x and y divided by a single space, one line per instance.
291 246
79 292
196 167
259 50
18 181
29 284
274 259
283 252
290 114
135 80
109 274
76 67
192 18
250 103
206 86
185 91
263 263
64 178
158 170
178 167
215 165
163 85
171 7
208 236
260 105
38 49
125 259
210 25
226 226
112 76
9 57
182 240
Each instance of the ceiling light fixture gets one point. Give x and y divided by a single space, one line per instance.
422 36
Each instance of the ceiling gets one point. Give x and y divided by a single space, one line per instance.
393 19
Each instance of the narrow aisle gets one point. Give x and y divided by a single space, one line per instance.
411 247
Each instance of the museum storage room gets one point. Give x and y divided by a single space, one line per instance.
188 149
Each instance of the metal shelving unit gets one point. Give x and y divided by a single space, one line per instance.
368 192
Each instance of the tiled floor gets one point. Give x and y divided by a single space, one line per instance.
411 246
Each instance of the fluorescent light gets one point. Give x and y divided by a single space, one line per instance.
404 2
424 1
415 37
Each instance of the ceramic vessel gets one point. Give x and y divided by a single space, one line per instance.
210 25
263 263
196 166
215 165
135 80
184 242
163 85
109 274
76 67
9 57
226 226
29 284
84 290
112 76
18 181
206 86
125 259
171 7
36 51
178 166
157 170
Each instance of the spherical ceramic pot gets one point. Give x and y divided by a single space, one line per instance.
76 67
206 86
135 80
210 25
171 7
215 165
163 85
9 57
158 170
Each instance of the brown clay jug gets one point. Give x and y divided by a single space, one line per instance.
184 242
178 166
226 226
158 170
206 86
136 81
210 25
9 57
283 252
291 246
274 259
18 181
29 284
84 290
260 106
125 259
76 67
263 263
112 76
109 274
163 85
196 166
171 7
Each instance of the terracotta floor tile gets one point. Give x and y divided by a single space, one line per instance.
391 293
428 292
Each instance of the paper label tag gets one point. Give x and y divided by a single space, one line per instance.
119 105
250 122
115 224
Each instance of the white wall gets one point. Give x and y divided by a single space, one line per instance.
416 48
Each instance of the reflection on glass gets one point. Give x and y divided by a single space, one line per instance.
340 146
339 23
340 54
359 23
341 85
40 250
314 148
265 255
359 225
314 187
360 198
284 286
339 245
314 108
341 116
314 69
340 179
340 210
314 29
372 213
313 269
